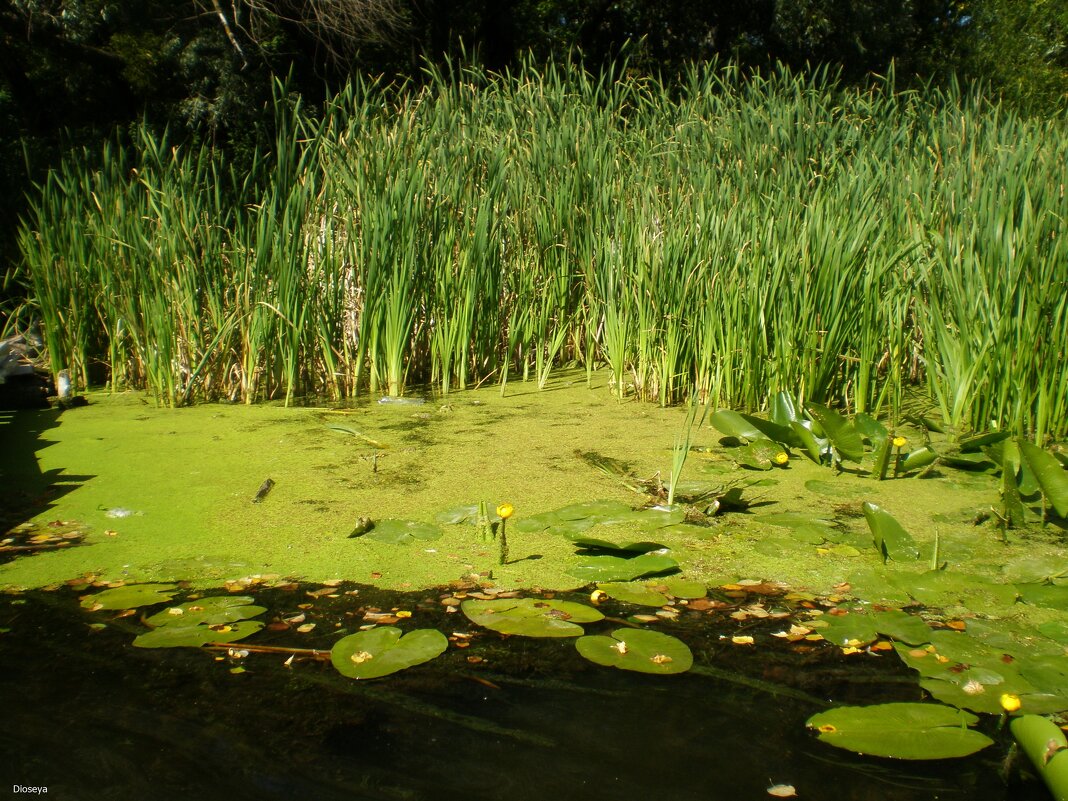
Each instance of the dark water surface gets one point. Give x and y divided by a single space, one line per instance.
90 717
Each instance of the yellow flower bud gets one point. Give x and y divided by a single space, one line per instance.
780 458
1010 702
900 442
505 510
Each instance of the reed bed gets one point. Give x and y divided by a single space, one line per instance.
725 238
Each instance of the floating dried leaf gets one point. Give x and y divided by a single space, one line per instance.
782 791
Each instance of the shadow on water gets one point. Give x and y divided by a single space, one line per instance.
89 716
27 491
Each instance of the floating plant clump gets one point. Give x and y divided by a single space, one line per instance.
384 650
640 650
902 731
220 619
129 596
531 617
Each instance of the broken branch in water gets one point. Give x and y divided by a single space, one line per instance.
268 649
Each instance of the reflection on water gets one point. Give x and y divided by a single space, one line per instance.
91 717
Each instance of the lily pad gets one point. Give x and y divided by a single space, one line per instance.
222 618
569 528
639 650
1056 630
680 588
1051 476
890 537
538 522
466 513
216 609
633 592
599 510
833 488
531 617
178 635
1047 595
383 650
403 532
901 731
749 428
130 596
869 428
615 568
812 445
861 628
842 434
1036 569
648 519
594 543
921 457
954 588
761 454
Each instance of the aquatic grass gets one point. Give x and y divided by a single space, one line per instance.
729 237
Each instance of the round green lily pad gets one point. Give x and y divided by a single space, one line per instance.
639 650
538 522
130 596
901 731
198 634
403 532
384 650
531 617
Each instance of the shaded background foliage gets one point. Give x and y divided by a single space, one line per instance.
71 71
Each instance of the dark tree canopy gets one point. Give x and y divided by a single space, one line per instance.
73 70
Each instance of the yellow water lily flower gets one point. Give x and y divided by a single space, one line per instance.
505 510
900 442
1010 702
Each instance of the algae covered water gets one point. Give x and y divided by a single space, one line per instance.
796 586
89 716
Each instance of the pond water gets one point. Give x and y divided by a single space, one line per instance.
89 716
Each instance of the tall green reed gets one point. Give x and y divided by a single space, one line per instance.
728 237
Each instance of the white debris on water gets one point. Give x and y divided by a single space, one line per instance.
119 511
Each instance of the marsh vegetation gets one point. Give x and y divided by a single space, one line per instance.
727 238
